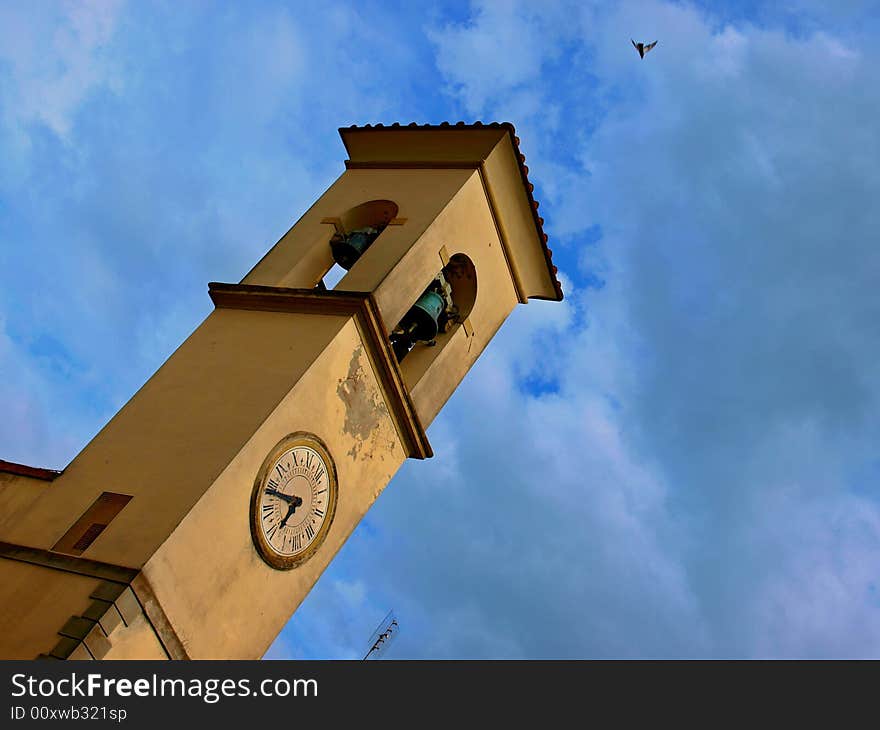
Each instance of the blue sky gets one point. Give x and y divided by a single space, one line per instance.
689 440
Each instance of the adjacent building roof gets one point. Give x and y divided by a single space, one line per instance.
34 472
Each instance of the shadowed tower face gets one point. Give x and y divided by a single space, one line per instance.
197 520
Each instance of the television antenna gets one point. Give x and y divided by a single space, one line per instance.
384 634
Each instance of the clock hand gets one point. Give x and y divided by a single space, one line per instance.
295 502
289 498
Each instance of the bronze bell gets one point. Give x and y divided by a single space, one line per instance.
349 247
423 317
421 323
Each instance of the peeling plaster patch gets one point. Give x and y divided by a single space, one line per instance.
363 410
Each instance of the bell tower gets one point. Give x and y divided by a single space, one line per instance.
197 520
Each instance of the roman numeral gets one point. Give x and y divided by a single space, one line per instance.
321 492
319 512
319 475
310 532
293 454
309 458
281 470
273 484
297 541
268 508
271 531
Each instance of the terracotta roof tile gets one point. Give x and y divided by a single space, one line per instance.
22 470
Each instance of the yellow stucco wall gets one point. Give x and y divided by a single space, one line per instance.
36 603
190 442
218 594
169 443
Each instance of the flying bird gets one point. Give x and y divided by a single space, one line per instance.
642 48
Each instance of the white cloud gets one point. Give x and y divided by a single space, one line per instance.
661 466
683 488
497 57
56 56
26 429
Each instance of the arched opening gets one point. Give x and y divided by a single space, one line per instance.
373 213
356 229
332 277
462 277
441 308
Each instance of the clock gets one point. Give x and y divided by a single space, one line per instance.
293 501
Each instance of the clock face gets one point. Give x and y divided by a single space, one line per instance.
293 501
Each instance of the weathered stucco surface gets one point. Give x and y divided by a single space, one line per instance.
364 411
243 600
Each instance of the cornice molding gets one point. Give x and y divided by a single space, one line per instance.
363 308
